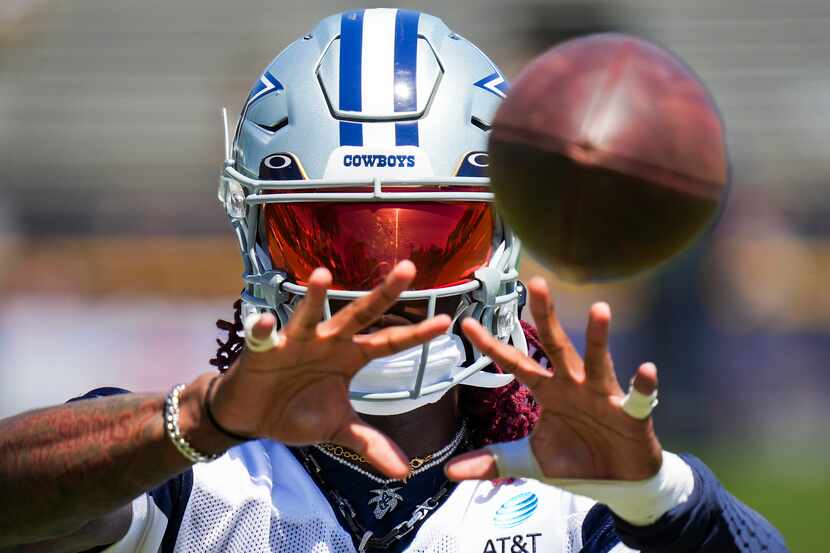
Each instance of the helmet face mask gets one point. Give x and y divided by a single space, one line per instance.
362 144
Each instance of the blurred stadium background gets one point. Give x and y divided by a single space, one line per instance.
115 258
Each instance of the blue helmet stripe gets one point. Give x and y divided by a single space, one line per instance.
406 60
351 134
406 68
406 134
351 80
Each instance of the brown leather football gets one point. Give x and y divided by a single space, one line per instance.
607 157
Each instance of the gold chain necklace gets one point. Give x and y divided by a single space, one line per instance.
387 497
414 463
345 453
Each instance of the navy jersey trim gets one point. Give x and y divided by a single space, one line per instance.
598 532
171 498
710 521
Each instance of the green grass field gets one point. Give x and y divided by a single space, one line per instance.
789 486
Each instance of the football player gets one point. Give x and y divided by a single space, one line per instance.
364 405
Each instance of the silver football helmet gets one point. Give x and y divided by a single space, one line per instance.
363 143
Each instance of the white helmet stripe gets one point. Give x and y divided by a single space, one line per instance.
378 63
379 135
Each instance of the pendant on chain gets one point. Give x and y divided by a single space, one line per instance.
385 501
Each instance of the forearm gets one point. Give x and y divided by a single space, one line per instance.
712 520
64 466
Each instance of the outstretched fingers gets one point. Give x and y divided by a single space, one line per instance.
309 312
362 312
265 324
260 338
555 341
599 367
398 338
375 446
645 379
509 358
641 398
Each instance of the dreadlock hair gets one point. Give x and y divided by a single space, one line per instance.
502 414
493 414
230 348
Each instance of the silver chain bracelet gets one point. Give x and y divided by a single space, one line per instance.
174 432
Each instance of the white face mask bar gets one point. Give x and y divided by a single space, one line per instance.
375 194
488 315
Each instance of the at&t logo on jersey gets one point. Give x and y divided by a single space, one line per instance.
520 543
510 514
516 510
378 160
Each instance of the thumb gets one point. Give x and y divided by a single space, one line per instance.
503 459
375 446
261 326
260 337
261 332
474 465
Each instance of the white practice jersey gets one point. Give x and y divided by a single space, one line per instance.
258 498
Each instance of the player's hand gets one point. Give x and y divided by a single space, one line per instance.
297 392
583 431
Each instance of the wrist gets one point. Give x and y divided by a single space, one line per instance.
637 502
208 410
232 407
644 502
194 422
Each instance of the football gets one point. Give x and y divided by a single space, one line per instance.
607 157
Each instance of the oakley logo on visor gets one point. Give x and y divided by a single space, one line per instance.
475 164
282 166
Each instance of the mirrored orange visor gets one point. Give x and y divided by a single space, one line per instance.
360 242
